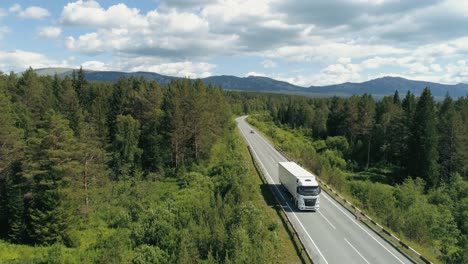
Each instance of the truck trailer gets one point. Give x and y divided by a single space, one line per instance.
301 184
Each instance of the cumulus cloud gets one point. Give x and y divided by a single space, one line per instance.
15 8
50 32
179 69
89 43
90 13
349 40
19 60
32 12
331 51
184 4
96 66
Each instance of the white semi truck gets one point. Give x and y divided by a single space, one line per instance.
301 184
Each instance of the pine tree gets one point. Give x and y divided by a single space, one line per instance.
336 119
403 134
396 98
69 105
52 160
80 85
423 147
10 137
37 98
11 191
449 141
126 154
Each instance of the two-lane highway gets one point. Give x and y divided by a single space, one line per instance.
332 234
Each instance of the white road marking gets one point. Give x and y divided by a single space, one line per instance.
279 192
352 220
326 219
356 251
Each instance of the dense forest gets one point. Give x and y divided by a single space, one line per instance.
131 171
95 172
404 160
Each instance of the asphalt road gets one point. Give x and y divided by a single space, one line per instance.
332 234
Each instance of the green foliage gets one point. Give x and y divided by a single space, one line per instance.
72 156
423 144
11 137
51 162
126 153
429 214
146 254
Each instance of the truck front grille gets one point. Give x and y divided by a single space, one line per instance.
310 202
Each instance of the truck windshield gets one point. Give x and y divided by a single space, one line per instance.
308 190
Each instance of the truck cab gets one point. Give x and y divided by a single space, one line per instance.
308 191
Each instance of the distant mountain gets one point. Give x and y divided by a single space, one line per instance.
377 87
253 83
388 85
53 71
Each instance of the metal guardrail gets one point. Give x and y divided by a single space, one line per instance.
336 195
264 179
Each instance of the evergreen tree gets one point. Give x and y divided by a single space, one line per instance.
11 140
37 97
11 203
387 119
51 162
12 207
125 152
336 119
69 105
80 85
403 133
423 143
449 141
396 98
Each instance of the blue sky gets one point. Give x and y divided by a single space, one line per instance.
303 42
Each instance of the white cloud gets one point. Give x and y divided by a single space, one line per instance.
96 66
269 64
50 32
179 69
88 43
349 44
148 64
331 51
252 73
19 60
172 34
15 8
90 13
34 12
231 10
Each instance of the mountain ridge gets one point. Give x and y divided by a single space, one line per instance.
377 87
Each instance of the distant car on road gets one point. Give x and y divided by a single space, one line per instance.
251 131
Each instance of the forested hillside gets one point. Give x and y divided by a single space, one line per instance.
405 161
94 172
